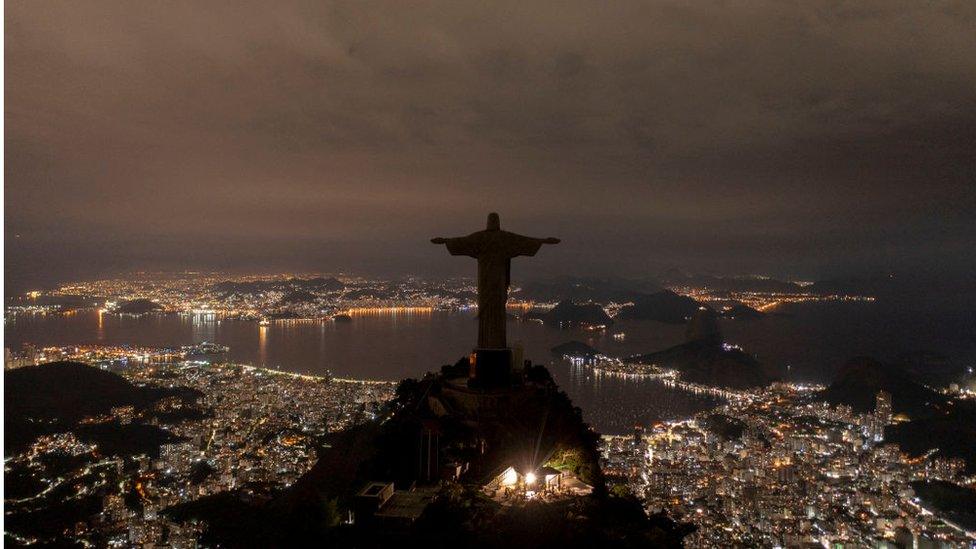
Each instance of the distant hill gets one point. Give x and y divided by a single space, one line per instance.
54 397
932 368
567 313
703 327
132 439
952 433
663 306
742 312
582 289
712 365
958 502
705 359
137 307
574 349
937 422
726 427
859 380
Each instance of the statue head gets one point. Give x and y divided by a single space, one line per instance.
494 224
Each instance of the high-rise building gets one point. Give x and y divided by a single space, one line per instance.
882 407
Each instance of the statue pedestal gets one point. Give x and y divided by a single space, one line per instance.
492 368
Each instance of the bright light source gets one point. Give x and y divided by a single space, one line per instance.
530 478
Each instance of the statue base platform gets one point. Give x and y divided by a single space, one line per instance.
491 368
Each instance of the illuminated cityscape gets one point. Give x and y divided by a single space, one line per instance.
250 431
772 466
489 275
783 471
312 297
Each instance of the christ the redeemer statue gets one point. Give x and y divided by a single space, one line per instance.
494 250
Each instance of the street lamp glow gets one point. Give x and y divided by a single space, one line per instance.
530 479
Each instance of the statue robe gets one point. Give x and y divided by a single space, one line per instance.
494 250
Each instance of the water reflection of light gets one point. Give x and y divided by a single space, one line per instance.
204 326
263 344
390 311
101 325
616 394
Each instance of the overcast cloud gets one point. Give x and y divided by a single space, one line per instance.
802 138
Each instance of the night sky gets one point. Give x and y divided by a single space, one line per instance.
801 139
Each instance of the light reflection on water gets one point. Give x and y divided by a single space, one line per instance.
397 344
375 345
614 404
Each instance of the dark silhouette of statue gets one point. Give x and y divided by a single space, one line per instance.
494 250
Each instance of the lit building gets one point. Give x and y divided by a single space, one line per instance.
882 407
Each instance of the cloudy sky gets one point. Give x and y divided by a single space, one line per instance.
802 139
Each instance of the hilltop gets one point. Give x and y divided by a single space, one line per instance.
567 313
585 289
741 311
937 421
860 379
54 397
705 359
529 425
576 349
137 307
663 306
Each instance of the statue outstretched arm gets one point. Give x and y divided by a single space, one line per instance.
462 245
526 245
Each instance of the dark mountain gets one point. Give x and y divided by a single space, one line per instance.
709 364
726 427
54 397
137 307
574 349
131 439
937 422
951 433
859 380
704 327
958 502
583 289
663 306
705 359
741 311
933 369
567 313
